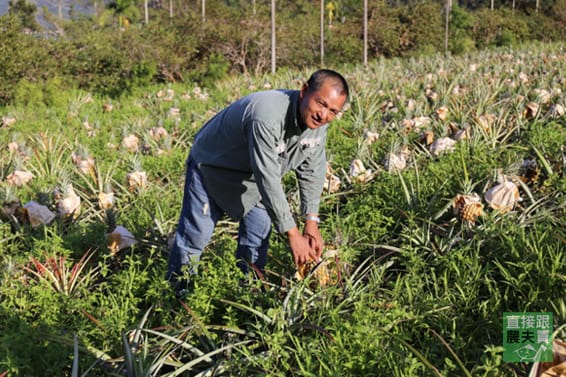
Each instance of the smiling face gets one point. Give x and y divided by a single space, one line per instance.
321 106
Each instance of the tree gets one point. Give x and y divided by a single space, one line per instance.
25 12
126 10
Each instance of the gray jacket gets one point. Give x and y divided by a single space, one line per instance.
244 151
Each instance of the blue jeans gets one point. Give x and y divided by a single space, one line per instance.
199 215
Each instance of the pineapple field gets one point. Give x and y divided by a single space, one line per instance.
444 207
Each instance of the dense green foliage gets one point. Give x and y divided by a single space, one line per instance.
114 51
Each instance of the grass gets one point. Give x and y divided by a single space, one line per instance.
417 292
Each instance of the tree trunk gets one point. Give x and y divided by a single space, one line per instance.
365 33
448 8
321 33
170 12
146 11
272 36
203 11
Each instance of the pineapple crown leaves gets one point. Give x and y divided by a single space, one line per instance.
81 152
136 163
18 162
8 194
111 219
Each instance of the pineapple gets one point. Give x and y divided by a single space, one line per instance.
106 198
426 137
439 146
11 210
68 202
324 274
397 161
358 172
38 214
370 137
467 208
531 110
118 237
7 121
130 143
503 197
158 133
83 161
441 113
137 179
19 178
332 182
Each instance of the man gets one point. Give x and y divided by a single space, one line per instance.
235 167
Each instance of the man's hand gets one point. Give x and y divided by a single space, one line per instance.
316 242
301 247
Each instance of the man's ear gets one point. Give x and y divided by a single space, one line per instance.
304 90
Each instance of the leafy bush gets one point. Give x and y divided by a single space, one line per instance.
22 57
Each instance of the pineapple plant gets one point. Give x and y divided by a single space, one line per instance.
84 162
68 202
137 178
130 142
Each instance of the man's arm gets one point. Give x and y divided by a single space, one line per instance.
267 171
311 175
264 161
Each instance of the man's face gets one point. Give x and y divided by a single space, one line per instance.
318 107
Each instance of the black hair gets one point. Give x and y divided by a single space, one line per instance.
318 78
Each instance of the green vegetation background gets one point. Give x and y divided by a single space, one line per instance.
115 50
420 292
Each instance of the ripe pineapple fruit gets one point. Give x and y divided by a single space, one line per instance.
324 273
467 208
319 271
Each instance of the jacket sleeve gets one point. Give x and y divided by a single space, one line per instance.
264 160
311 175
